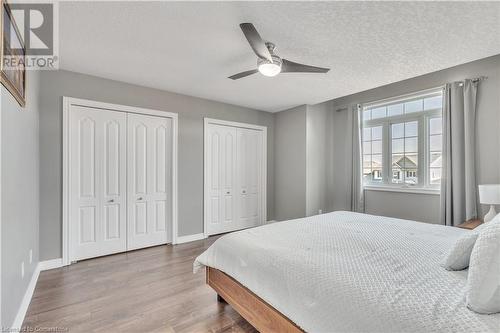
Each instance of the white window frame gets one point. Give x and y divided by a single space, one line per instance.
423 119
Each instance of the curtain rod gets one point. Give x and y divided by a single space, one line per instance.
479 78
475 79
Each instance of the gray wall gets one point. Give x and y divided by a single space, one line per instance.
191 110
317 134
20 195
290 163
410 206
301 164
420 206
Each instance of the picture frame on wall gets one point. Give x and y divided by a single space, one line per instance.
13 56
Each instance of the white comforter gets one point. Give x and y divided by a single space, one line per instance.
349 272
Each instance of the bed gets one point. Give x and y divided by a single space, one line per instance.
343 272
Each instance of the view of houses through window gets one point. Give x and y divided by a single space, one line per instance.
402 141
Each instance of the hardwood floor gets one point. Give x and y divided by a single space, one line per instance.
150 290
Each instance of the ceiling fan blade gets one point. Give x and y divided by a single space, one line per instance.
255 41
243 74
288 66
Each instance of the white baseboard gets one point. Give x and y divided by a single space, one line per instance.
190 238
25 303
271 221
50 264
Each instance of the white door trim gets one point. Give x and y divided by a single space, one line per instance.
70 101
206 193
235 124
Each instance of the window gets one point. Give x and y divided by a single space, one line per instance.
402 141
372 150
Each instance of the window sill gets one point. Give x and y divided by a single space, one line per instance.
418 190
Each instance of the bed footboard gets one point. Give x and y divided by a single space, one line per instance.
257 312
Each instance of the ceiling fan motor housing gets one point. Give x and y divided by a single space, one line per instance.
276 60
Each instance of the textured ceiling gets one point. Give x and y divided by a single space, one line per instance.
191 48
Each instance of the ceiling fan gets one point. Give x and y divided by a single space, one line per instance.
269 63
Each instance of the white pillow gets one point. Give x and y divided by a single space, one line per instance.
480 227
483 283
459 255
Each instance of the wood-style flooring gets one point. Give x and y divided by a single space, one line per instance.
149 290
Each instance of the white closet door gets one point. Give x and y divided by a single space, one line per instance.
97 182
221 164
149 180
249 166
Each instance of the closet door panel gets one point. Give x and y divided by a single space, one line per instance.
249 175
222 174
139 157
112 221
86 148
228 176
87 225
84 196
97 182
159 183
112 158
137 179
114 179
160 216
214 160
140 220
160 159
149 186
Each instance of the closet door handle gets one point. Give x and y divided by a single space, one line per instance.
112 200
244 191
140 198
228 192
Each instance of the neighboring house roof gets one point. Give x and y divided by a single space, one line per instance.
372 165
404 162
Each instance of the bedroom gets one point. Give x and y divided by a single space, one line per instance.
110 192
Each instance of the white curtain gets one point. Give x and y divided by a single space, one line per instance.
357 193
458 182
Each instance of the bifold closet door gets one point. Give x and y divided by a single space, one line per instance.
97 182
221 163
249 168
149 162
234 161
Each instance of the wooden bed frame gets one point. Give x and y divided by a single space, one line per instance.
256 311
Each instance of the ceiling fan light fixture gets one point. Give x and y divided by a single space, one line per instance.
269 69
268 62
